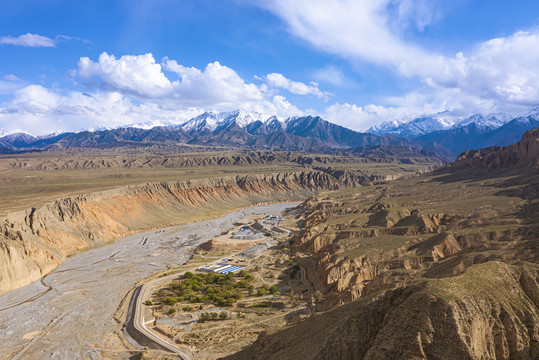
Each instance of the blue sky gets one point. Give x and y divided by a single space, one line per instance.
69 65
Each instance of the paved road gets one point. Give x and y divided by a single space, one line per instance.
71 314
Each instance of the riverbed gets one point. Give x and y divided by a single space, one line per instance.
69 314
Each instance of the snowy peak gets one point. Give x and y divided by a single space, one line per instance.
534 112
14 133
411 129
385 127
489 122
216 120
275 124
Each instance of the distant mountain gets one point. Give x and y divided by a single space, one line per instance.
469 133
412 129
481 134
236 129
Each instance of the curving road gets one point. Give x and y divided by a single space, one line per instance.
71 314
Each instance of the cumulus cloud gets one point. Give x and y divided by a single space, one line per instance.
137 89
138 75
28 40
216 84
277 80
172 85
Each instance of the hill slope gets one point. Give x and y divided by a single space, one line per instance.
441 266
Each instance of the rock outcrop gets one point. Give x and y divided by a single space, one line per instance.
490 312
523 154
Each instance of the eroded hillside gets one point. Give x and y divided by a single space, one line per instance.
35 179
34 241
444 265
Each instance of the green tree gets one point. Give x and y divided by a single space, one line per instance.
273 290
170 301
251 289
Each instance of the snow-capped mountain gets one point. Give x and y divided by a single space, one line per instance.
14 133
412 129
385 127
212 120
488 122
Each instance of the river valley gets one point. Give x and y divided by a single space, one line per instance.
69 314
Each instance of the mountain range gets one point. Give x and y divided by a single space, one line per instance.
472 132
236 129
438 135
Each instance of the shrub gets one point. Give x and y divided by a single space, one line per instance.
261 291
223 315
171 311
148 302
273 289
251 289
188 275
170 301
187 308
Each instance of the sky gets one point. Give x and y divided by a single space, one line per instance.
73 65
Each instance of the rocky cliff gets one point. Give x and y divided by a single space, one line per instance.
523 154
33 242
440 266
490 312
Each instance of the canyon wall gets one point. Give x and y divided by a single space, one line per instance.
34 242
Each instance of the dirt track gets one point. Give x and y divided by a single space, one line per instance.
73 319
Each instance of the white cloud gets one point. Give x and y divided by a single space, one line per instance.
138 75
502 72
28 40
363 117
277 80
11 77
216 84
333 75
135 89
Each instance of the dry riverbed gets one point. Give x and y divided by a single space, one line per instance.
70 313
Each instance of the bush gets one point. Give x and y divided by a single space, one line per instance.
261 292
170 301
273 290
187 308
171 311
223 316
251 289
148 302
188 275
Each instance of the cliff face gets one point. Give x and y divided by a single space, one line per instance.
357 242
491 312
523 154
33 242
